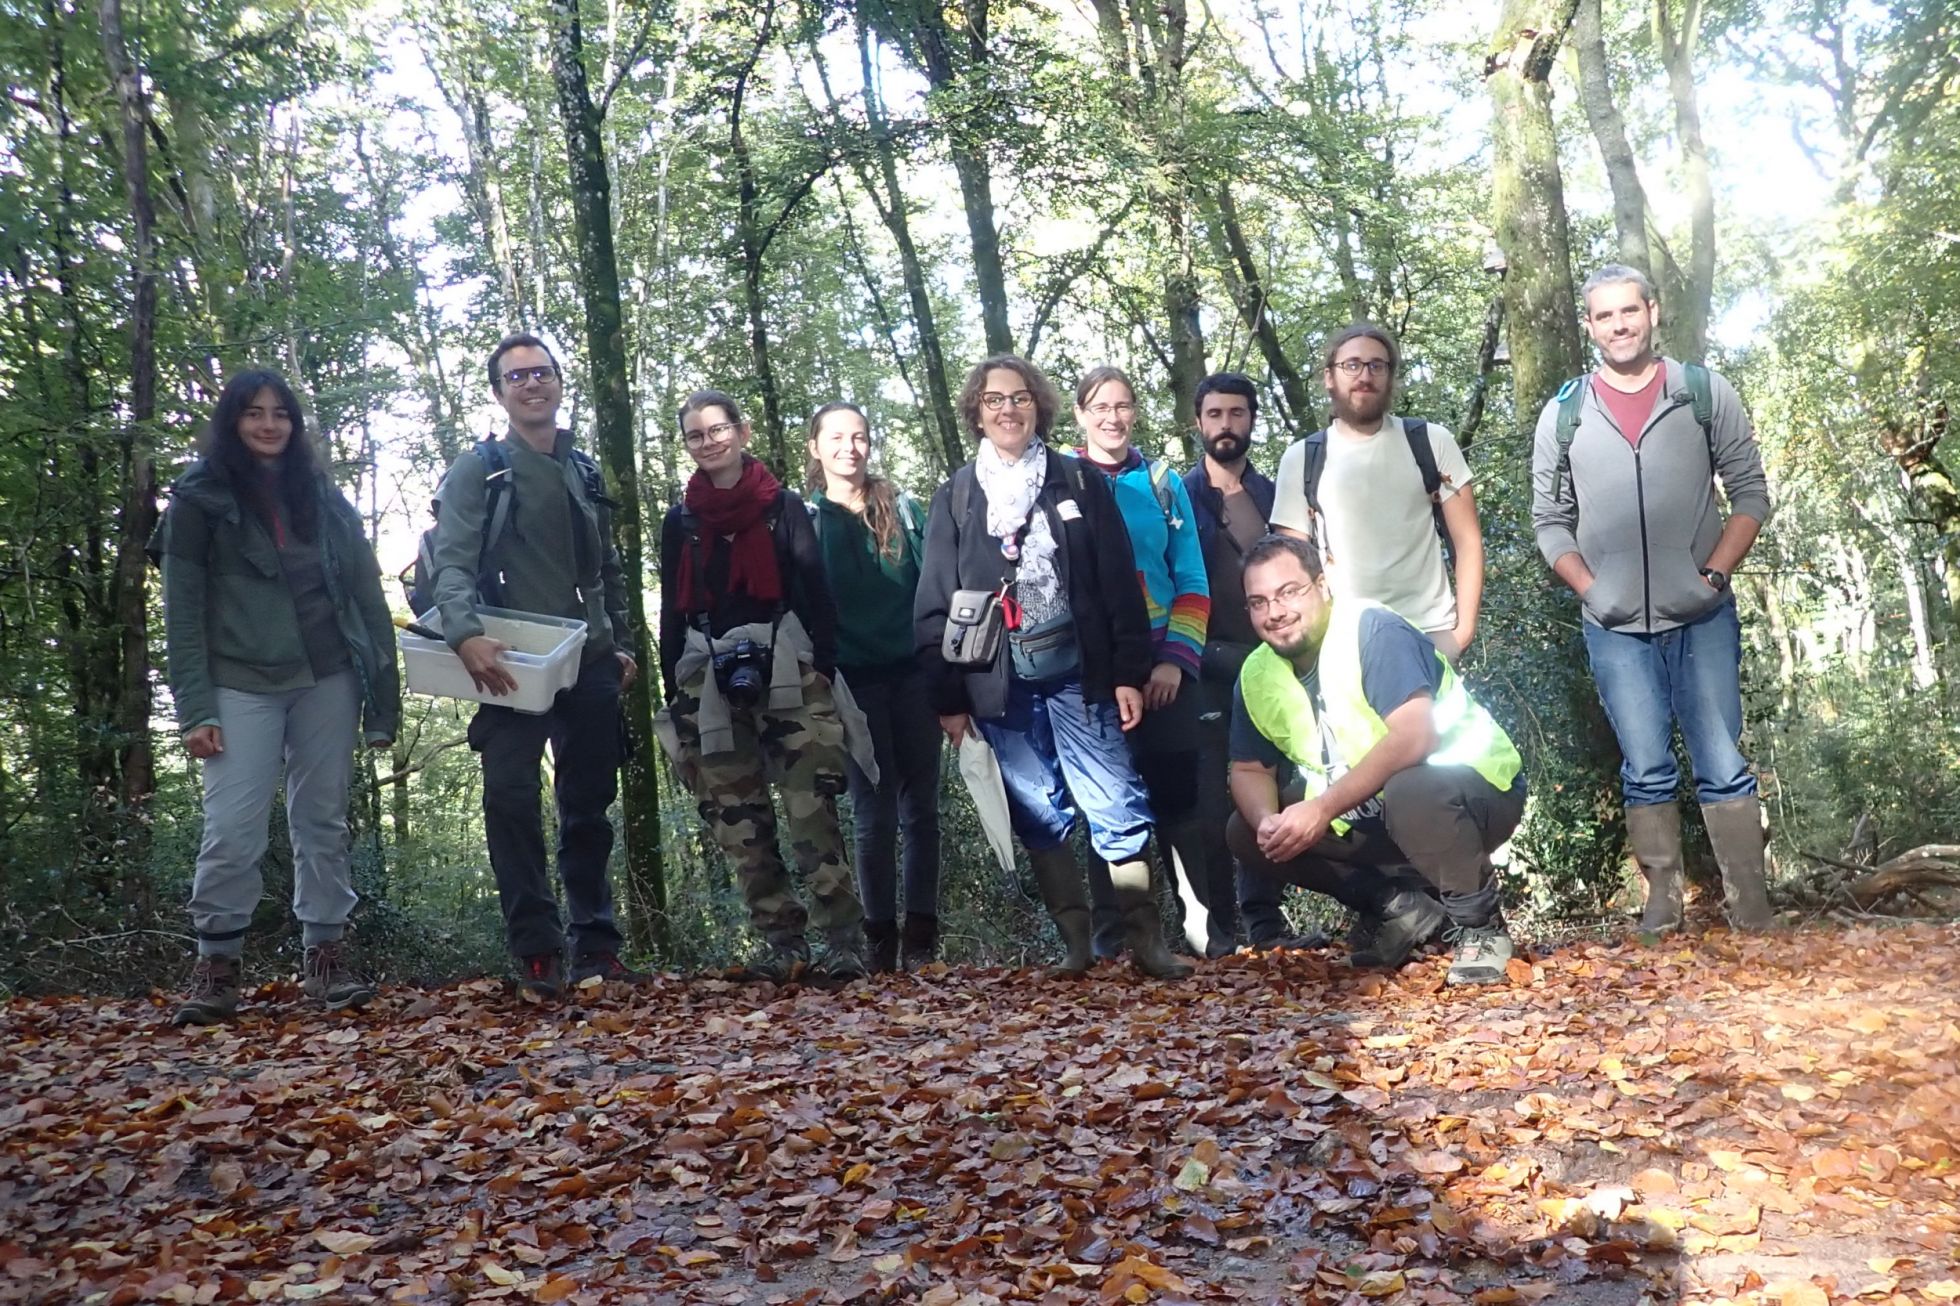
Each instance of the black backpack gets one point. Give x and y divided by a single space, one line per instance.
418 581
1417 432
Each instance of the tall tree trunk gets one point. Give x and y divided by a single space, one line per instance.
1528 202
605 344
958 80
754 243
892 208
1249 292
138 515
1610 133
1688 335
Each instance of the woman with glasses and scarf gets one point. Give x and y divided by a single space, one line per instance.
748 654
871 533
1066 681
281 658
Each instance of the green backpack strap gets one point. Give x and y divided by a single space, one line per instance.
1570 399
1702 395
1160 484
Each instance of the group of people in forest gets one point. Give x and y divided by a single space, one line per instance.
1152 656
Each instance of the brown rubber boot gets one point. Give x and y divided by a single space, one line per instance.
1066 896
1735 828
1654 832
1143 929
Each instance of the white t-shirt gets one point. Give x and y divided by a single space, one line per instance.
1380 541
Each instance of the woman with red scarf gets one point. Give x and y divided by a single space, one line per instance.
748 651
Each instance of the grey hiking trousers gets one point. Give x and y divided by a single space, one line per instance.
310 735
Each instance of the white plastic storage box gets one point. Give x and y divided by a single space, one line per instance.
543 658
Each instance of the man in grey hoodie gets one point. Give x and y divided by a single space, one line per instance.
1623 473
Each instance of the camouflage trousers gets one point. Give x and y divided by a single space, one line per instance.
802 750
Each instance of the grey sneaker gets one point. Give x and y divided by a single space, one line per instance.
1482 952
329 979
1408 920
213 992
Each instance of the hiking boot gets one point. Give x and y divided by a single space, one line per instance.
1482 951
783 958
606 966
1143 927
843 954
329 979
881 945
213 992
1409 919
1735 831
542 975
919 946
1066 896
1654 834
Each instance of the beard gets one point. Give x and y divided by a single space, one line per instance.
1361 407
1229 447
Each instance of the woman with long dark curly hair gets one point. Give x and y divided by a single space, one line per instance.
280 647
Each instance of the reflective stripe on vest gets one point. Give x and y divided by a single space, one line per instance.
1280 709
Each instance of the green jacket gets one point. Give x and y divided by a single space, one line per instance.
229 618
555 554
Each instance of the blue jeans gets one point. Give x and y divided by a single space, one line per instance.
1059 753
1691 675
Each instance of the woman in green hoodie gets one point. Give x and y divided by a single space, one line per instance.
280 648
870 532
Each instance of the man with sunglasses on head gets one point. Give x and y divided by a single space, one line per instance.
1402 784
523 523
1383 497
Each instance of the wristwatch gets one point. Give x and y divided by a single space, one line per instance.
1717 580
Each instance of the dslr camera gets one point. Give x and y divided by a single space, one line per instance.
743 673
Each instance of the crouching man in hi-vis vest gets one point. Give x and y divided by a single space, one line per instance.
1403 784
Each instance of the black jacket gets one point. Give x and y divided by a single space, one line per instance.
1208 503
1094 560
806 591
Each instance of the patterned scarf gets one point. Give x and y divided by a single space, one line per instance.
1011 490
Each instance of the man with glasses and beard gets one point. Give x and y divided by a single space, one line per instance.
522 522
1398 772
1381 497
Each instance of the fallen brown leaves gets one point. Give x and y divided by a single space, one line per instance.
1755 1120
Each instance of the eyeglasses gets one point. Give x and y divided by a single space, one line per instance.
1111 410
719 433
1356 366
542 373
993 401
1286 596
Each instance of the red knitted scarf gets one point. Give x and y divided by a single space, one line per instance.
737 513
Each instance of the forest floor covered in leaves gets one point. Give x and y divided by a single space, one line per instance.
1767 1119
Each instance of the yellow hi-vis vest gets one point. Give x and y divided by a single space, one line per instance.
1282 711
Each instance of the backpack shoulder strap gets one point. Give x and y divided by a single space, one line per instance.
591 475
1702 395
1160 484
1571 399
1316 456
1417 431
962 494
496 493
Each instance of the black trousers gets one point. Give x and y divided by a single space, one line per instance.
1442 823
583 729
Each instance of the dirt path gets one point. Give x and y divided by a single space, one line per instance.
1760 1120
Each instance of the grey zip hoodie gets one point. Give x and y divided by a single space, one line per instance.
1644 517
